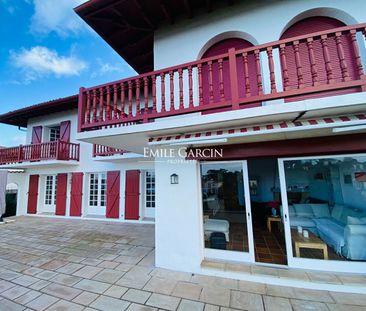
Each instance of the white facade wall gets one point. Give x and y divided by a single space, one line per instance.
87 164
187 40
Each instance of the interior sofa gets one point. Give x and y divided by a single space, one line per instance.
341 227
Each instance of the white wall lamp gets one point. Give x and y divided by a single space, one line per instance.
174 179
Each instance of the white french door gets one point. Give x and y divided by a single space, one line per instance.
331 184
50 194
226 216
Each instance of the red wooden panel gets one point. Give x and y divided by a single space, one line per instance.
33 194
307 26
221 48
76 194
132 197
65 128
61 194
36 135
113 190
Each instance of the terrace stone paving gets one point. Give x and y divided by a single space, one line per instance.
63 264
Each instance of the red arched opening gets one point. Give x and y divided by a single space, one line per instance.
311 25
221 48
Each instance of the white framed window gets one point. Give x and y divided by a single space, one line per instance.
150 189
50 190
54 133
97 189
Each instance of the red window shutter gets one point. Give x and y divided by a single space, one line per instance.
221 48
36 135
113 190
33 194
307 26
76 194
61 194
65 129
132 195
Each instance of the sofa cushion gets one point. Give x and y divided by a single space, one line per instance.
332 232
337 211
356 221
304 210
320 210
347 211
291 211
305 222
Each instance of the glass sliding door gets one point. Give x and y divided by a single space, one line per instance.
226 211
324 203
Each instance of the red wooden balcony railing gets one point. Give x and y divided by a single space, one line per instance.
319 64
104 151
55 150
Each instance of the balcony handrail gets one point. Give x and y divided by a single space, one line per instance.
103 151
262 47
181 88
54 150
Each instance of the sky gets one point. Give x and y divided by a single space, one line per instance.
46 52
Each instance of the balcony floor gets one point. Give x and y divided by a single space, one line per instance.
46 163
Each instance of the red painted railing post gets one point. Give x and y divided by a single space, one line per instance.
233 80
20 154
58 150
81 109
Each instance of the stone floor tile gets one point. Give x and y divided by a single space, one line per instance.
63 305
349 299
70 268
108 276
339 307
124 267
39 285
228 309
108 303
215 295
91 261
247 301
321 277
160 285
92 286
64 279
163 302
32 271
8 305
15 292
87 272
187 290
27 297
46 275
252 287
137 307
189 305
303 305
281 291
53 265
170 274
108 264
85 298
5 285
42 302
115 291
293 274
261 270
136 295
134 280
209 307
25 280
312 295
276 304
61 291
9 275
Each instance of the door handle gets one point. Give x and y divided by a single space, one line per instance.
285 217
248 214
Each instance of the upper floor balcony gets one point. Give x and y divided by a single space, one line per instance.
319 64
40 154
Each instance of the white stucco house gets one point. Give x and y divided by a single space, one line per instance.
243 138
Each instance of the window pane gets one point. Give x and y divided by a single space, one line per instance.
327 207
225 225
